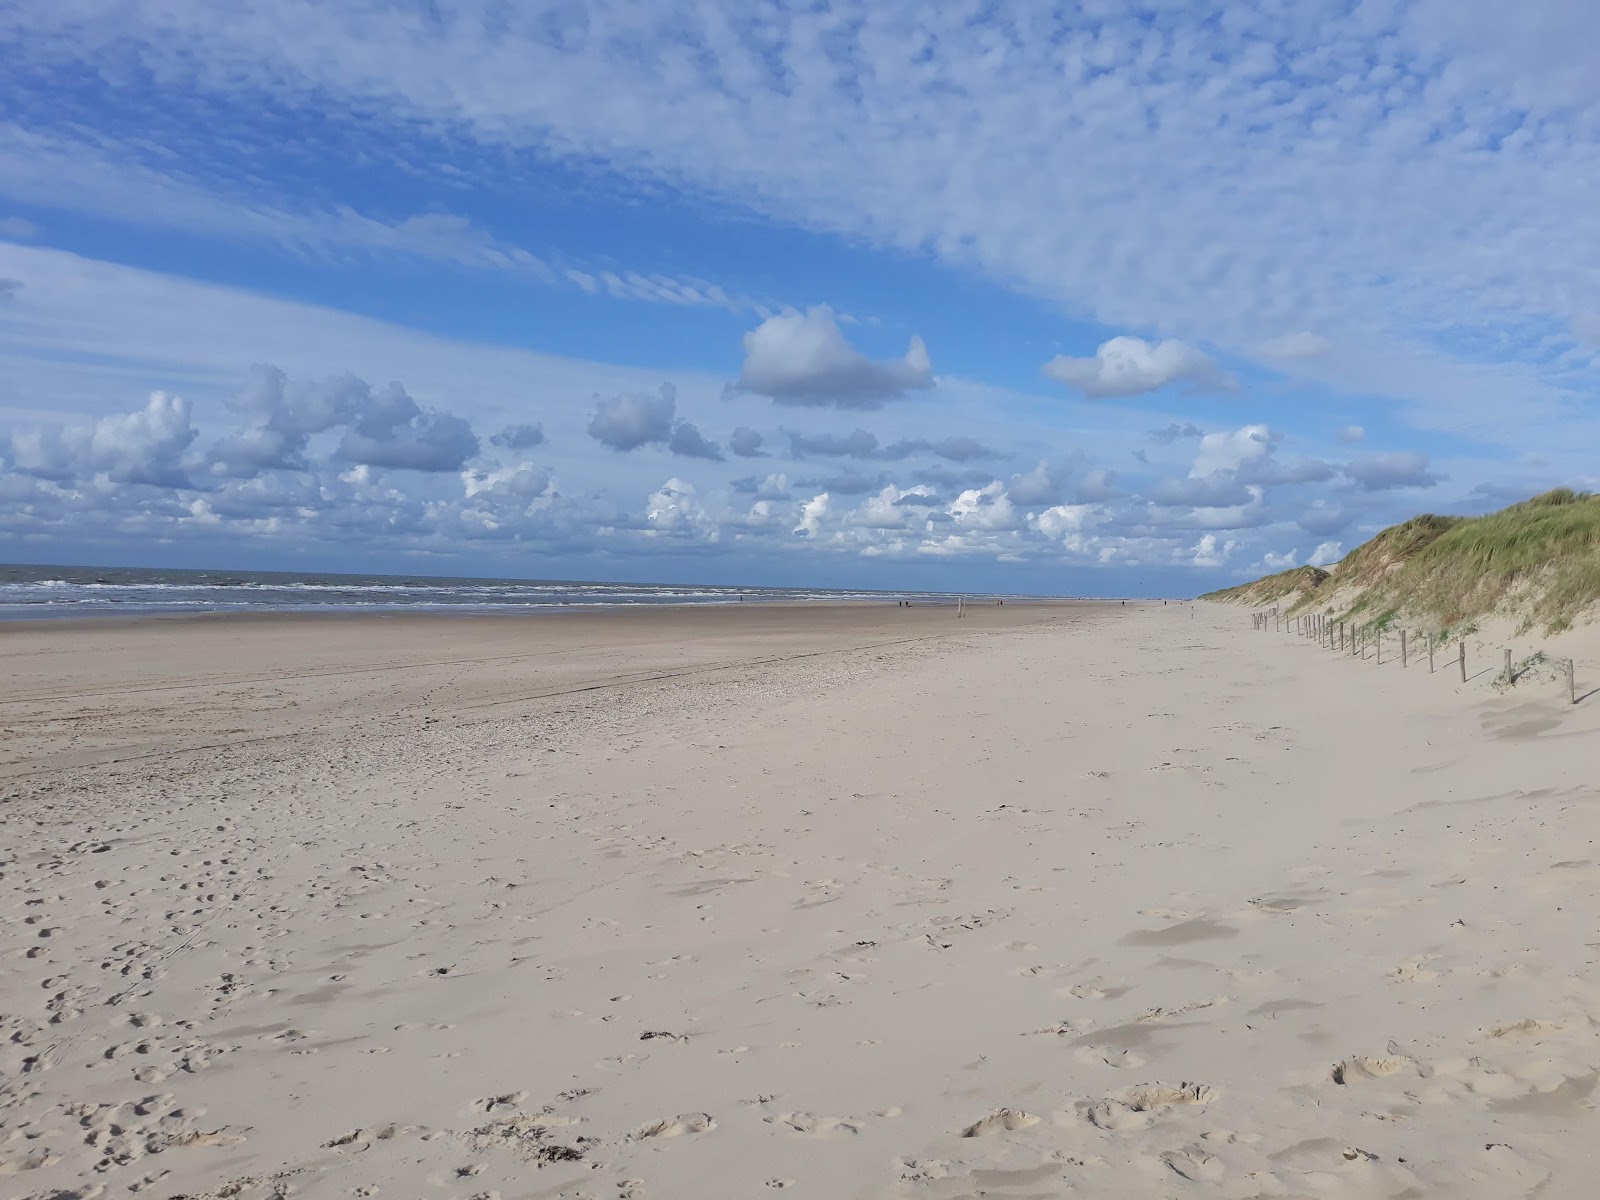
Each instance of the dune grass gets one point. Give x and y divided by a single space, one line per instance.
1538 561
1294 583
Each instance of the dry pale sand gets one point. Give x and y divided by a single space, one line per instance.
1109 902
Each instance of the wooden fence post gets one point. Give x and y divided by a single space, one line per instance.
1572 687
1377 644
1403 660
1463 662
1430 654
1510 678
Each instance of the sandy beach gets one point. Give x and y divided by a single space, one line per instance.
837 901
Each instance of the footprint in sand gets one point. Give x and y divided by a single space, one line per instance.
1002 1120
1132 1109
824 1127
1354 1070
675 1126
1195 1164
1148 1097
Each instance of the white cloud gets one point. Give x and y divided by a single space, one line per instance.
688 441
18 228
1211 552
1397 469
985 508
630 421
1231 450
1037 486
812 514
797 358
1350 434
1487 116
673 509
1130 366
97 178
1326 554
144 447
524 481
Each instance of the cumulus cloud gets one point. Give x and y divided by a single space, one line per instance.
745 442
813 513
392 430
386 427
985 508
1230 450
1212 552
630 421
1396 469
1351 433
674 509
524 481
519 437
144 447
1130 366
1326 554
771 487
1037 486
1303 344
892 508
691 443
803 358
1272 563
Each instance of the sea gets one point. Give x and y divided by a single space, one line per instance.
36 592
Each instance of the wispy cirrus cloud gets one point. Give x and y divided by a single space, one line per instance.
115 181
1204 227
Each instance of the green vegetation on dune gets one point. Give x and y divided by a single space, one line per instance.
1537 561
1296 582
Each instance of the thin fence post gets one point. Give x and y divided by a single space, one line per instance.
1572 687
1509 677
1430 654
1463 662
1403 660
1341 637
1377 648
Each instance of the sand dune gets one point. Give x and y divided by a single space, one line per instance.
1104 902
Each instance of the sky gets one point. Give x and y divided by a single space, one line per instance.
1098 299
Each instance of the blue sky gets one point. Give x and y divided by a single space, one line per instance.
1108 299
